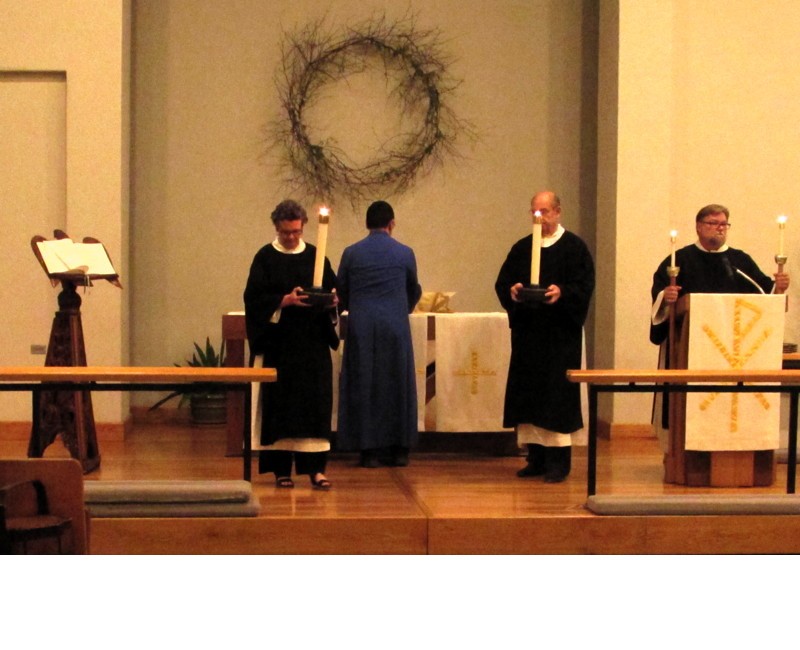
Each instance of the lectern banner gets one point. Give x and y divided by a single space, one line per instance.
472 354
729 332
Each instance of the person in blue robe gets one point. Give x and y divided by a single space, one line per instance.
378 286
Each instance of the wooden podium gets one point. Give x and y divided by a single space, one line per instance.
67 412
744 337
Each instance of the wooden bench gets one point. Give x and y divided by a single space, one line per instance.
122 378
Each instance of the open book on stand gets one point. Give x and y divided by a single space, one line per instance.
64 257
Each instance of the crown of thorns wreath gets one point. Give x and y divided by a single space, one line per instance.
416 68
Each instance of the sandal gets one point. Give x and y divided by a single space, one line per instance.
320 484
284 482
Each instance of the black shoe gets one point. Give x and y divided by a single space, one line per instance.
530 471
555 477
559 463
399 457
369 459
536 462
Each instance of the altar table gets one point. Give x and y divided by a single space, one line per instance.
461 361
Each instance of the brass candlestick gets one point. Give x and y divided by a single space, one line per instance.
781 260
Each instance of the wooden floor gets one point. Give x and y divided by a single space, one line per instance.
442 503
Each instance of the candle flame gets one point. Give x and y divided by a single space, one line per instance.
782 220
537 214
673 234
324 211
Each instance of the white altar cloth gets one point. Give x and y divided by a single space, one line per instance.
472 356
423 355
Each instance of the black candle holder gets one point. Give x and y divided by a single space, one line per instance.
532 293
317 297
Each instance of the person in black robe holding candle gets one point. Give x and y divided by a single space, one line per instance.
708 266
546 340
295 338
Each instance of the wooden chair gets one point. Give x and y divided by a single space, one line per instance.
25 517
42 507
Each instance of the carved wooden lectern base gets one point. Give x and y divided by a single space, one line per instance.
65 412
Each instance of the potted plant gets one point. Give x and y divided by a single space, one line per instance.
206 407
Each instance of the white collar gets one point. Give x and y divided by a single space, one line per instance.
552 239
278 247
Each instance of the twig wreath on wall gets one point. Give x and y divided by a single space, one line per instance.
415 71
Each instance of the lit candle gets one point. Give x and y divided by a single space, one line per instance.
781 231
536 247
322 241
673 235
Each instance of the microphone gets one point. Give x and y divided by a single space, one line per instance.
728 267
750 280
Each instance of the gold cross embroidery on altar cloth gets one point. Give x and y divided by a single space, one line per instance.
474 372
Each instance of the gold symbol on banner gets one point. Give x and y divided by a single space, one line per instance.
475 372
736 358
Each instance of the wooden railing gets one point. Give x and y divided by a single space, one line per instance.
103 378
144 374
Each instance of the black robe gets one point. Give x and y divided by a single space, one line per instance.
546 340
704 272
299 404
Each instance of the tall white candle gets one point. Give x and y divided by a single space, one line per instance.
322 242
673 235
536 247
781 231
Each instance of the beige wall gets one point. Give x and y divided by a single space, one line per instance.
636 87
204 187
32 201
87 41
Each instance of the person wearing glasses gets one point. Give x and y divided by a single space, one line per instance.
546 340
295 338
708 266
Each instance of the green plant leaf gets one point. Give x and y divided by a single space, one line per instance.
201 358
